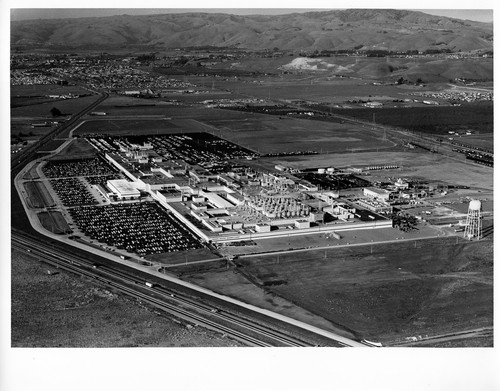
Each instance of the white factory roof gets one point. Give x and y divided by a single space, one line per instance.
123 187
218 201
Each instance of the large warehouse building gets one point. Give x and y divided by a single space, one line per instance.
123 189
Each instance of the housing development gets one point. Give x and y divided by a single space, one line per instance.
318 196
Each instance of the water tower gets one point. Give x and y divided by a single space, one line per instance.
473 226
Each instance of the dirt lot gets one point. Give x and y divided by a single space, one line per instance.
62 310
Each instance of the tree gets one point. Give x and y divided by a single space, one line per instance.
55 112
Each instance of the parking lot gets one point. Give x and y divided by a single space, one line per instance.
143 228
72 192
74 168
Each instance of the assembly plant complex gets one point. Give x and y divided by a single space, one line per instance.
138 196
214 194
338 197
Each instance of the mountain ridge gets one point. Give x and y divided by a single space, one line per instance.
362 29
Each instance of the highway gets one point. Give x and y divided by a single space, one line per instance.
166 298
26 155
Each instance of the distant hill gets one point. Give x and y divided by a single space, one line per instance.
395 30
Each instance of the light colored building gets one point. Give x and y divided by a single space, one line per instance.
302 224
262 228
123 189
317 216
217 201
376 193
401 185
169 195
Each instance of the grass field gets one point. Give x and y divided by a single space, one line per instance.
46 89
483 140
54 222
270 134
38 195
77 148
181 257
315 88
52 145
437 120
138 127
385 294
232 283
26 131
67 107
394 292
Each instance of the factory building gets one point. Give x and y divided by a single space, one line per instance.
341 211
301 224
376 193
262 228
217 201
169 195
401 185
123 189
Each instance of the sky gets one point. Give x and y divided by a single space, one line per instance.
481 15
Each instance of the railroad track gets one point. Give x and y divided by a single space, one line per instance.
167 300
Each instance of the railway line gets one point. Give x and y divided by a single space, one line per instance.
166 299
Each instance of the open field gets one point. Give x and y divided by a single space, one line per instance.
52 145
46 89
67 107
315 88
232 283
391 293
274 135
387 293
154 107
181 257
77 148
62 310
54 222
23 128
434 120
115 127
480 140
